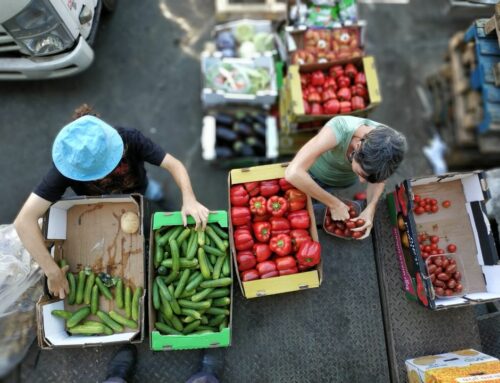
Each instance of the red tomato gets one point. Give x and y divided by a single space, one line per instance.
433 278
427 248
339 232
438 261
452 248
439 291
357 234
360 222
350 224
440 251
347 232
451 284
446 204
422 203
439 283
458 288
434 201
419 210
446 262
425 255
360 196
443 277
352 213
434 208
416 198
434 239
428 208
448 292
431 269
434 246
457 276
434 252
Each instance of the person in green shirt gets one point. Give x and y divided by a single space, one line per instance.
345 150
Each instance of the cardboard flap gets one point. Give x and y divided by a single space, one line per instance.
482 296
492 277
56 228
265 172
450 302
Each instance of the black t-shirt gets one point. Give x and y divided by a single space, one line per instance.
129 176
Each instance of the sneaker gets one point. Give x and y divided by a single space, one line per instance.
123 363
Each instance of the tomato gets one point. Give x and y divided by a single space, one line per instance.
446 204
458 288
350 224
434 252
440 251
357 234
438 261
360 222
427 200
330 228
360 196
416 198
425 255
443 277
433 278
434 208
347 232
452 261
451 283
428 208
341 225
421 247
339 232
448 292
434 201
439 283
434 246
451 269
446 262
434 239
431 269
457 276
419 210
427 248
422 203
352 213
439 291
452 248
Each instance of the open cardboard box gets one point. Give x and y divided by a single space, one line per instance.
276 285
297 113
86 232
464 223
458 366
160 342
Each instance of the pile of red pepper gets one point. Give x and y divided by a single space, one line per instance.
271 236
341 89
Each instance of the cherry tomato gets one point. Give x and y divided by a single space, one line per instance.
438 261
339 232
431 269
350 224
433 278
443 277
439 291
416 198
446 204
357 234
434 252
422 203
434 239
448 292
347 232
451 284
434 201
452 261
439 283
457 276
427 200
425 255
360 222
341 225
434 208
427 248
421 247
428 208
458 288
452 248
445 263
451 269
440 251
419 210
434 246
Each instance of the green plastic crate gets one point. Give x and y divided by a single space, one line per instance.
159 342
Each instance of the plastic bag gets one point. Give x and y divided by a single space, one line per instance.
20 287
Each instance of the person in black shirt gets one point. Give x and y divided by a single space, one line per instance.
93 158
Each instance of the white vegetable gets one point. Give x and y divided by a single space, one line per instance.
129 222
247 49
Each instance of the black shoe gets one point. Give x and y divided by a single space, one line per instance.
123 363
213 362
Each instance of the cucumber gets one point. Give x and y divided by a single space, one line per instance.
204 328
78 316
221 233
119 294
219 293
191 327
135 303
164 292
94 301
188 293
182 236
201 238
184 263
218 267
204 264
224 324
156 296
72 288
104 289
214 237
80 287
193 246
128 302
182 283
192 313
200 305
176 323
193 275
201 295
62 314
116 327
121 320
167 330
195 283
213 259
172 233
89 283
224 301
214 251
174 248
221 282
173 303
217 311
204 319
166 310
158 255
171 277
187 319
163 270
63 263
226 267
94 328
216 320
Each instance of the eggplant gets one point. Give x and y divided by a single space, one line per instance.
223 152
224 119
258 146
225 134
243 149
261 118
260 130
243 129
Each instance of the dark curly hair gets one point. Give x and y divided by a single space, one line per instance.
84 110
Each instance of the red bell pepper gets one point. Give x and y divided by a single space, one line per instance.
281 244
350 70
360 78
279 225
292 270
269 188
261 251
284 263
271 274
246 260
296 199
262 218
299 219
240 215
243 239
299 236
331 106
284 184
253 188
317 78
238 195
277 206
249 275
262 231
258 205
309 254
303 268
265 267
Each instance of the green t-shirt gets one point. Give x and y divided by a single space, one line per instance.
333 167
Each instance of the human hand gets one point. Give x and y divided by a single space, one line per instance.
57 282
367 216
339 211
196 210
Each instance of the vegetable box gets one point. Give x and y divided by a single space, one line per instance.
458 366
243 137
278 284
159 341
443 218
348 94
87 231
238 80
326 14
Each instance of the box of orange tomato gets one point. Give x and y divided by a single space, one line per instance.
443 240
263 263
463 366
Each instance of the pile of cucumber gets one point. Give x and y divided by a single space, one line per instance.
86 289
191 289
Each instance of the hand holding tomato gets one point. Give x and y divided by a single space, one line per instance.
366 216
339 211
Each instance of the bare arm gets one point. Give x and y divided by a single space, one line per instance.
297 172
190 206
26 224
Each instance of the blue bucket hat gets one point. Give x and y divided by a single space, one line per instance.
87 149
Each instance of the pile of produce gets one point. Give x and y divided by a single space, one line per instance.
85 289
428 205
325 45
240 134
240 78
341 89
342 229
271 236
244 41
329 14
191 289
442 267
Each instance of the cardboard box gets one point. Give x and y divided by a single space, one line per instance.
464 223
464 366
367 64
86 232
160 342
277 285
